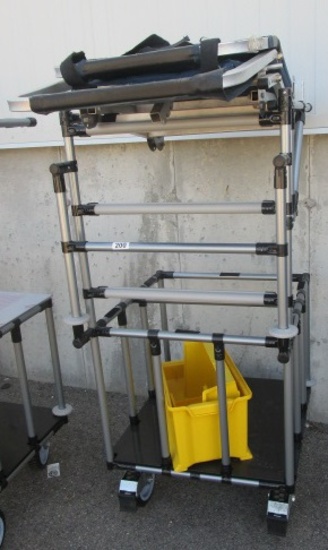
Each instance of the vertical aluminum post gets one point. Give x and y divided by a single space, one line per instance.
297 386
160 400
302 364
148 358
286 139
62 409
284 230
128 375
306 325
21 371
222 406
281 239
289 425
297 153
86 281
61 197
165 325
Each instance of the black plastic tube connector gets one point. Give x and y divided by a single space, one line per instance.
155 346
268 207
60 168
266 249
284 351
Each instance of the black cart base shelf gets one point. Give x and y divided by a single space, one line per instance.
15 448
139 446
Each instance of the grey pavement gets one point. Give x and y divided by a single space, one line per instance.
80 509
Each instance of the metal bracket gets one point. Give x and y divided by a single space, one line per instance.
161 112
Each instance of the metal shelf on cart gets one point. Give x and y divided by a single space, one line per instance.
14 445
140 445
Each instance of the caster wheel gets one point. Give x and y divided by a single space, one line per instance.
136 488
2 527
42 455
145 488
278 511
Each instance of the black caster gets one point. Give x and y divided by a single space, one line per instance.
2 528
278 511
43 455
136 488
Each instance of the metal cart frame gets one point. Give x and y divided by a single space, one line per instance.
167 91
25 429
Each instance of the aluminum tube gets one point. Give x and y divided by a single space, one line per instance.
186 296
282 285
17 122
285 314
306 330
303 366
148 357
63 216
55 358
86 281
68 258
164 324
207 248
297 386
178 208
27 404
189 337
129 377
248 121
297 154
286 141
160 406
289 425
286 137
227 276
223 414
204 477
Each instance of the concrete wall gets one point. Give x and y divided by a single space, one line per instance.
204 170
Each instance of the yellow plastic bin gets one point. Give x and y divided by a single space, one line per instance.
192 407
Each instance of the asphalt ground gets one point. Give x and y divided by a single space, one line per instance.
80 510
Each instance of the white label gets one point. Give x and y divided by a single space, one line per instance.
128 486
53 470
278 508
120 246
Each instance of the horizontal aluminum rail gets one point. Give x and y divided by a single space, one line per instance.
248 121
191 296
225 275
208 248
179 208
190 337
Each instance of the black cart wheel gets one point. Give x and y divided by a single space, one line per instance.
42 456
135 490
279 505
145 488
2 527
